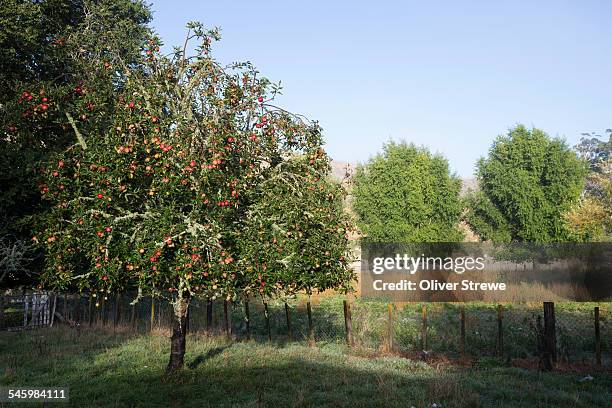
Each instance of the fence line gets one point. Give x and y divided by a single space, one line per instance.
572 333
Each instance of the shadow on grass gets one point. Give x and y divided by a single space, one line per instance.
102 369
203 357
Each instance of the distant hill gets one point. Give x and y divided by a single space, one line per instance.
468 184
340 168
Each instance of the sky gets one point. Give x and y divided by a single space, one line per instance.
449 75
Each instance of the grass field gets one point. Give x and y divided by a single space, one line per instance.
103 368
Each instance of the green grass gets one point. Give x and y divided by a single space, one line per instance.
126 370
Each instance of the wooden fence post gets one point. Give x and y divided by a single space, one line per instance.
462 331
65 307
133 317
103 310
209 315
1 310
226 325
424 327
500 332
550 336
84 310
53 310
311 341
26 307
89 310
96 310
288 317
247 318
390 325
348 323
597 338
152 313
116 311
267 316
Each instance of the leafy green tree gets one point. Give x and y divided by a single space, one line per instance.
166 165
407 194
485 218
50 48
39 39
527 183
591 218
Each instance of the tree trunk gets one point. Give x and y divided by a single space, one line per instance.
179 333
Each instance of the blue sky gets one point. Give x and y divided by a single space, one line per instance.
451 75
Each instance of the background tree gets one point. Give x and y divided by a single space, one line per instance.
527 182
46 45
407 194
153 193
485 218
591 218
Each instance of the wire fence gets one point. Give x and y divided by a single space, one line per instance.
510 331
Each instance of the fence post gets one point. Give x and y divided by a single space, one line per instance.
288 316
267 316
1 310
310 327
83 311
133 317
226 326
390 325
152 313
89 316
103 311
209 315
597 338
53 310
348 323
25 310
116 311
96 311
247 318
65 307
424 327
550 336
500 332
462 331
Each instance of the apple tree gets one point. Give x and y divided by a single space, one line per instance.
152 194
48 42
296 232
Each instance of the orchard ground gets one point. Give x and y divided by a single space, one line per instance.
124 369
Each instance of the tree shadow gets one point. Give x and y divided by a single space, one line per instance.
108 370
209 354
